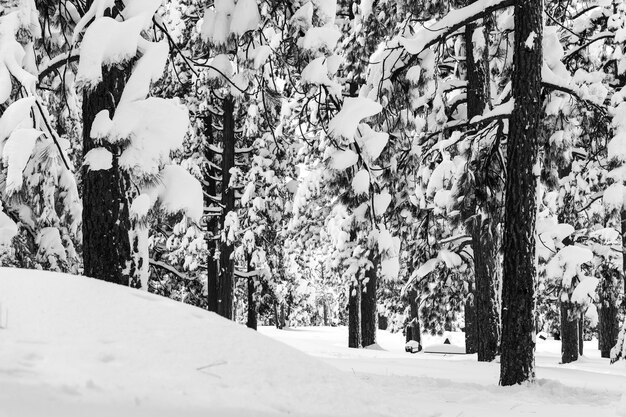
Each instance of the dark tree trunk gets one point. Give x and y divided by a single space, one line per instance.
368 303
608 328
484 335
413 330
226 282
581 334
487 276
517 363
354 316
106 222
277 321
325 311
569 334
211 174
252 309
471 328
623 227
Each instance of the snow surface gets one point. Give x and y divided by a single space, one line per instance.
443 385
74 346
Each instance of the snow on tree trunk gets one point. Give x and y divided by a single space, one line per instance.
368 303
517 363
226 282
210 174
354 315
569 333
106 222
471 327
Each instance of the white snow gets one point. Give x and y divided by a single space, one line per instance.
373 142
16 115
181 191
321 38
101 126
430 384
140 206
530 41
16 153
98 159
381 202
245 17
8 229
354 110
155 126
426 35
343 159
78 346
361 182
147 70
107 42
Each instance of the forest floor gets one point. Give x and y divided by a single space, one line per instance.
71 346
458 385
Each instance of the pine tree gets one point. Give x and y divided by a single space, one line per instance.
518 299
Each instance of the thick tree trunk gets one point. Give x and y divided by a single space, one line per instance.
354 316
471 327
368 303
226 281
106 222
484 335
569 334
517 363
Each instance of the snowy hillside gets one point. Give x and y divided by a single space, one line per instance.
85 347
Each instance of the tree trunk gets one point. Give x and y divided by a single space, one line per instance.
471 328
354 315
484 335
517 362
581 334
252 309
413 331
569 334
368 303
210 175
106 221
608 328
226 282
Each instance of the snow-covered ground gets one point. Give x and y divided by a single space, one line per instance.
72 346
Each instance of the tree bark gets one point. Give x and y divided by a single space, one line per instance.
484 334
413 330
354 315
517 363
471 328
569 333
252 308
368 303
106 221
213 221
226 282
608 328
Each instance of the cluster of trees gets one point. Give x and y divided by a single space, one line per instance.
421 165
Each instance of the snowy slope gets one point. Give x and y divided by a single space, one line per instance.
75 346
